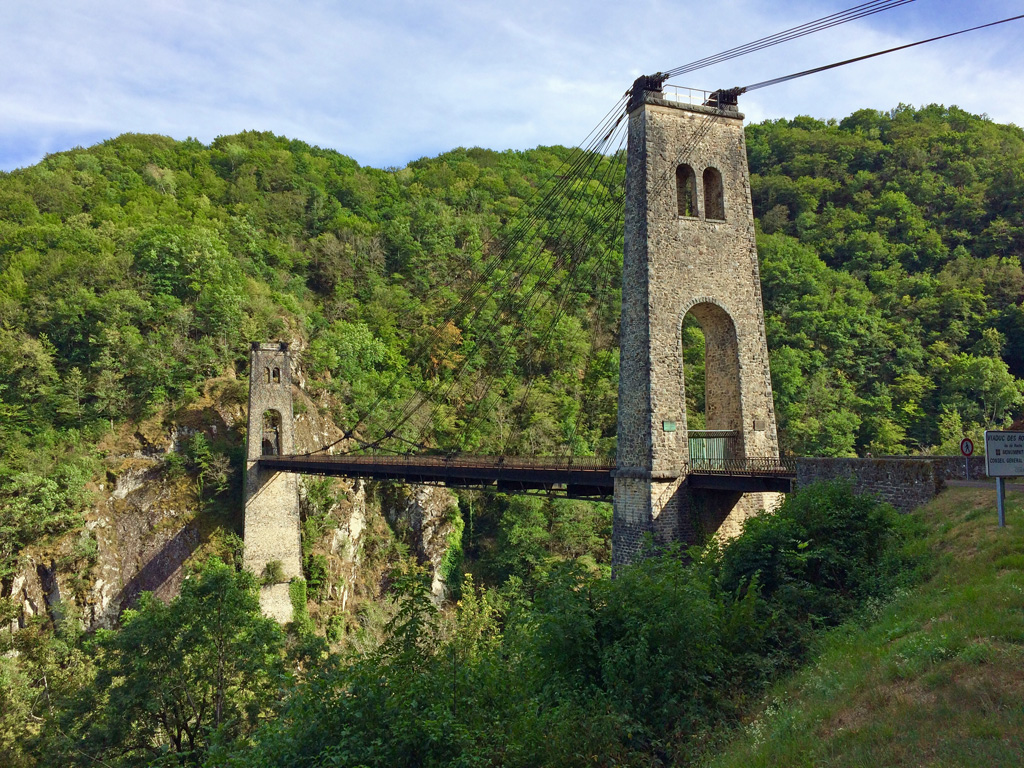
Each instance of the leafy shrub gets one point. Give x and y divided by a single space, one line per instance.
33 506
631 671
176 465
317 573
335 630
452 564
177 678
301 622
816 560
273 573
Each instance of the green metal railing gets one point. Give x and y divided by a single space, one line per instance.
712 449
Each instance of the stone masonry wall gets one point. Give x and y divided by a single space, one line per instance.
673 266
272 526
958 468
709 268
903 482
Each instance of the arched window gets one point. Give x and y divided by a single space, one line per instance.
277 375
271 433
266 375
686 190
714 197
711 385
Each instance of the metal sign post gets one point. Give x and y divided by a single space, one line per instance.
1004 457
1001 500
967 448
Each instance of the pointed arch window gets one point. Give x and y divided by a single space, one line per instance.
714 195
277 375
686 190
266 375
271 443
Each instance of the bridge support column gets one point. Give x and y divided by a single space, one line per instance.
689 250
661 513
272 530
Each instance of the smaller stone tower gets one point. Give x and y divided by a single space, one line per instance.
272 530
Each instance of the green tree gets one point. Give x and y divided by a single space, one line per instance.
177 679
34 506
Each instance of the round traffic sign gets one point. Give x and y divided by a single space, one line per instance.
967 446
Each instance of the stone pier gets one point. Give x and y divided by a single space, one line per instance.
272 529
689 250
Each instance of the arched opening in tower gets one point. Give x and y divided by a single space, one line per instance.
271 433
714 195
693 372
686 190
711 385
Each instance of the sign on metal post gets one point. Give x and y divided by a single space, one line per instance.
1004 454
1004 457
967 448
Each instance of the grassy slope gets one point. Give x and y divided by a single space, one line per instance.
936 679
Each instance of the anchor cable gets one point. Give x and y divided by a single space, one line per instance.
777 80
580 166
826 22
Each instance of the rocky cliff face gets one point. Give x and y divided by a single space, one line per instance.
136 538
149 519
424 516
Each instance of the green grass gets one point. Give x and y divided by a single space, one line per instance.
933 678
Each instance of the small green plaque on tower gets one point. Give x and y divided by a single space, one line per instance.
668 426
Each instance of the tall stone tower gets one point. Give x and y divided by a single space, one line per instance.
272 530
689 250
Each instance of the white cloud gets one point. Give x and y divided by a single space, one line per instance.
389 81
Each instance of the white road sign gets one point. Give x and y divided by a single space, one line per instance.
1004 454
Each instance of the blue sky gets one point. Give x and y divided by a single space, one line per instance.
390 81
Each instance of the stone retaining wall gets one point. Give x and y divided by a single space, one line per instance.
906 483
959 468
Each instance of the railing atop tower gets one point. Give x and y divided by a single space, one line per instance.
698 97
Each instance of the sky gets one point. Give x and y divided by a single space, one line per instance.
389 81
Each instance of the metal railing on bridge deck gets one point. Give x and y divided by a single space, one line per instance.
718 452
576 463
713 458
760 466
711 447
585 477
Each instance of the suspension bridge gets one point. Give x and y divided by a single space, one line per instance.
684 220
578 477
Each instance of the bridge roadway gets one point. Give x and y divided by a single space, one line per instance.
586 478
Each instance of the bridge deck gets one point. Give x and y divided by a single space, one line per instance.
576 477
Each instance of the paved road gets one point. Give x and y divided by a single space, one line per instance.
1016 487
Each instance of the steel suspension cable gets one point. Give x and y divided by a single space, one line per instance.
684 154
611 217
581 270
777 80
595 231
575 167
826 22
521 304
514 305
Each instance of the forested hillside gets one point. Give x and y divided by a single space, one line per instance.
135 272
891 264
